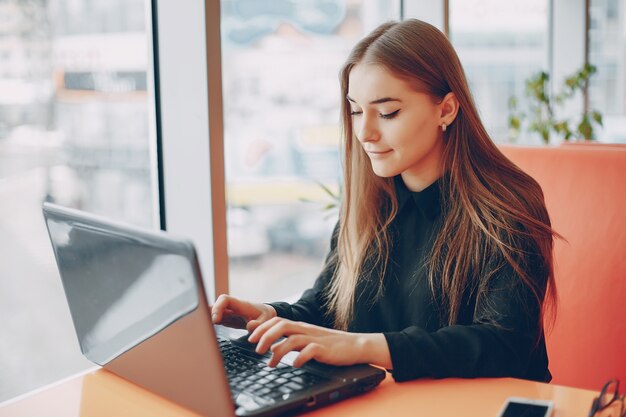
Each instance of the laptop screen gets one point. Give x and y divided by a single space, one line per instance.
121 289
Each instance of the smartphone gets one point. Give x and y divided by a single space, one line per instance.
526 407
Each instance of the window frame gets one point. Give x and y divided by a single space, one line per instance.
188 82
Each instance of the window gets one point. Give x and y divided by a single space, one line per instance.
607 88
281 117
74 129
500 45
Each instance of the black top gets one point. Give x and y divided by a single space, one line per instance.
420 341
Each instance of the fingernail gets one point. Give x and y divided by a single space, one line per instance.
214 317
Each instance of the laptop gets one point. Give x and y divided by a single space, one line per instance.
139 308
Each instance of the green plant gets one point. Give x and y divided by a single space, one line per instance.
335 197
541 116
332 205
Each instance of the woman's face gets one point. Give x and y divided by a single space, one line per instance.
398 127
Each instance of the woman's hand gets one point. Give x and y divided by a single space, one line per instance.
233 312
333 347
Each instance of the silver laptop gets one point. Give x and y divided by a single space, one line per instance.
139 309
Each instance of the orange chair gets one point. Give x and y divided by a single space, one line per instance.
585 192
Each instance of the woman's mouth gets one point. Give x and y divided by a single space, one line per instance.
378 154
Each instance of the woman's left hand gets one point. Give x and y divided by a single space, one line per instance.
333 347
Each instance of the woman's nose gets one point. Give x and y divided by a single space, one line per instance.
366 131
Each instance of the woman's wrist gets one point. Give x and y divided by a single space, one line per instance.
373 349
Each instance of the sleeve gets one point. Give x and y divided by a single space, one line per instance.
501 341
311 307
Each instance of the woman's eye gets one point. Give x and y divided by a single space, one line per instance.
355 113
390 115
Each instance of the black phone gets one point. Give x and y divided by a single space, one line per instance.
526 407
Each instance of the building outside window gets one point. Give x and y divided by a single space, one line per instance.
74 129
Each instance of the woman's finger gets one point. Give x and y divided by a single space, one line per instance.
295 342
262 328
231 305
217 309
253 324
282 328
272 332
310 351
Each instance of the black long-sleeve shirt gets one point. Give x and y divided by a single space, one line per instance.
495 339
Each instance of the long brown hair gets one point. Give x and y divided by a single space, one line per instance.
493 210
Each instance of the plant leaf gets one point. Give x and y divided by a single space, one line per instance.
585 128
328 191
597 117
515 123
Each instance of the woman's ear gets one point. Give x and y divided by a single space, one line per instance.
448 109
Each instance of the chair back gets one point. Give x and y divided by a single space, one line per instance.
585 192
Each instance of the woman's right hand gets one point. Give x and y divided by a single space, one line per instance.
233 312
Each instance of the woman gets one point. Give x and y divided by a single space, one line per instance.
442 257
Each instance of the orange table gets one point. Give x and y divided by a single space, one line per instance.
100 393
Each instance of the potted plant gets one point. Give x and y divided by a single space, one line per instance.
541 117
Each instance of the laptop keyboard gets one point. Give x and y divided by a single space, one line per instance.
250 375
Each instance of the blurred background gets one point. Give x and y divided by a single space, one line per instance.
76 128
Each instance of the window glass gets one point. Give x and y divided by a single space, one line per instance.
281 61
607 51
500 45
74 129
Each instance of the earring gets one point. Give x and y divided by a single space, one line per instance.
443 127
